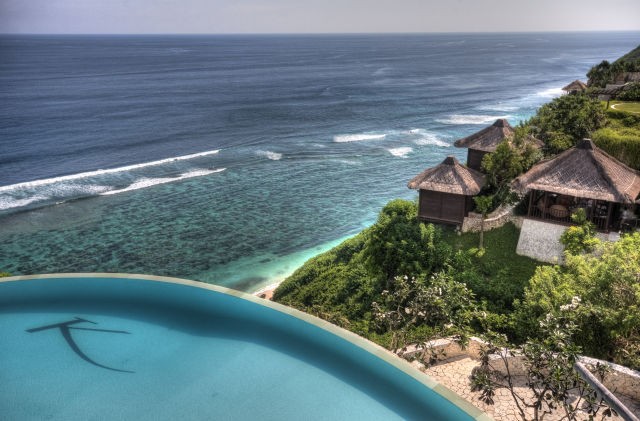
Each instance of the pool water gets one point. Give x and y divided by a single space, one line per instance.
78 347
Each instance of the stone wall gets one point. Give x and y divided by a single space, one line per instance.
495 219
620 379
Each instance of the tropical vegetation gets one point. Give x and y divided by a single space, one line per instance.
604 72
621 137
402 281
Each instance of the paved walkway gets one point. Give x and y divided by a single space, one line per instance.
455 374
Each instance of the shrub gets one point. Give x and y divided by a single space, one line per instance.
568 119
398 243
580 238
623 144
606 282
631 94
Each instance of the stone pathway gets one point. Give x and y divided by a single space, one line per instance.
455 372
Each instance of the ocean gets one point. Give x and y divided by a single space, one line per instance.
233 159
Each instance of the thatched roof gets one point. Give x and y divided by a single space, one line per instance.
487 139
583 171
574 86
449 177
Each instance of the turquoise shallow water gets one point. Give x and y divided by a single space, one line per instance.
155 350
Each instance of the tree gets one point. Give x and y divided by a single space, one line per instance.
512 157
567 117
607 282
398 243
483 206
600 74
579 238
439 303
551 382
631 94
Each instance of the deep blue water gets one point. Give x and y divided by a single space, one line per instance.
313 135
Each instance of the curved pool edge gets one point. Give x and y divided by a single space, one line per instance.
351 337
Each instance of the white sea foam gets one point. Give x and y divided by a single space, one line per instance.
10 203
348 162
64 191
148 182
274 156
431 140
36 183
471 119
401 152
549 93
358 137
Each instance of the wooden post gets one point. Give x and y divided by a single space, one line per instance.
532 194
609 210
544 212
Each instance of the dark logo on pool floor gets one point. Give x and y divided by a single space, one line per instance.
67 327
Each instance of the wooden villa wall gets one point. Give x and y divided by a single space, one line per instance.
443 207
474 159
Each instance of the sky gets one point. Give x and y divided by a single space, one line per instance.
315 16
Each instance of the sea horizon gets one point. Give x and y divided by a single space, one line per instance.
179 34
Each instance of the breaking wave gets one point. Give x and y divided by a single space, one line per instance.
274 156
45 192
471 119
37 183
358 137
148 182
549 93
427 138
400 152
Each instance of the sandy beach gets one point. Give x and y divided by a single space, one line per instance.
267 292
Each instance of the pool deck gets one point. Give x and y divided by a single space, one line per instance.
455 373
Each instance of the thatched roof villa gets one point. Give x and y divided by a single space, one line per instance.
582 177
575 87
485 141
446 191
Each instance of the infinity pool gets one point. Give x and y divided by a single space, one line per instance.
134 347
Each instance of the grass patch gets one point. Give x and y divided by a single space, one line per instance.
629 107
498 275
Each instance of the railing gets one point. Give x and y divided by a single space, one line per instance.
613 402
555 215
562 215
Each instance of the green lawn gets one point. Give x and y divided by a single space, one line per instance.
629 107
504 273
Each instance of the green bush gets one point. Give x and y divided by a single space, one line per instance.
399 244
630 94
580 238
567 119
603 293
622 143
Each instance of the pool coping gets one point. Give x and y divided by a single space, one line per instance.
351 337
